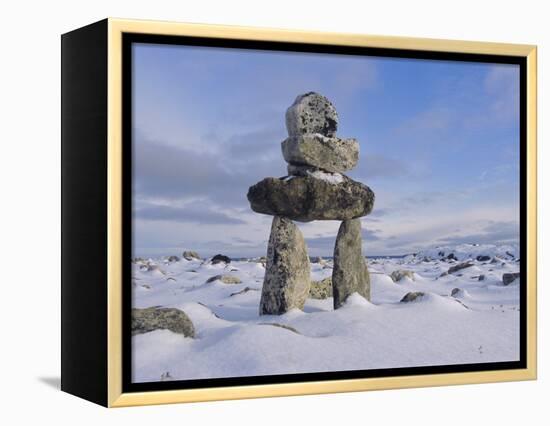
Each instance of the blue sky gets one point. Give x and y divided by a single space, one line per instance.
439 146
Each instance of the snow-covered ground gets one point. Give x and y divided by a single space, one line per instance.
479 324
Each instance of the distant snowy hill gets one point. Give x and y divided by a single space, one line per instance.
471 252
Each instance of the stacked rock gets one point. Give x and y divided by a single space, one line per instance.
314 189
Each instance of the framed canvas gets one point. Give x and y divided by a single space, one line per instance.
255 212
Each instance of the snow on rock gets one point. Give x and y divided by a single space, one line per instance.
479 324
333 178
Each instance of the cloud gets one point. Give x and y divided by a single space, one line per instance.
187 214
164 171
425 197
259 145
381 166
493 233
502 84
325 244
433 119
379 213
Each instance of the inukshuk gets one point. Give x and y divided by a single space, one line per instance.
314 189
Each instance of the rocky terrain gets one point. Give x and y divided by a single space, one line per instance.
447 305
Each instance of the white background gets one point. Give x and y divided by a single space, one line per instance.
30 241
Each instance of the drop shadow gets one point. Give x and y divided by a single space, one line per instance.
53 382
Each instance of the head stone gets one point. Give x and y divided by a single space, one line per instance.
311 113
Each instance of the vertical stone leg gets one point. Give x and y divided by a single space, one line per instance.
350 273
286 282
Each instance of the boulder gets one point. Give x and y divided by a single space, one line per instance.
321 289
459 267
509 278
350 274
151 267
481 278
150 319
243 291
287 275
224 278
311 113
308 198
331 154
456 292
399 274
191 255
173 259
262 261
411 296
283 326
220 258
483 258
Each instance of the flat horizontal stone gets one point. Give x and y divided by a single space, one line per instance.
309 198
328 153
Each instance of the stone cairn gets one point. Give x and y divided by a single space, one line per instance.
314 189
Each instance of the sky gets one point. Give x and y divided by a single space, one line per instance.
439 146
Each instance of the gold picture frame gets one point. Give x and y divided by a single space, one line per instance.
114 30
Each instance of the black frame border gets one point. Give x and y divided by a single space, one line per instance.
130 38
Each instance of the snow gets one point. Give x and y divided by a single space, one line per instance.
480 324
471 251
333 178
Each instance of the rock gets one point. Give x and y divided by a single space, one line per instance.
455 291
286 327
331 154
318 259
244 290
451 257
350 274
307 198
286 281
152 267
220 258
262 260
300 170
321 289
191 255
509 278
412 296
150 319
164 377
399 274
311 113
459 267
173 259
483 258
226 279
481 278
